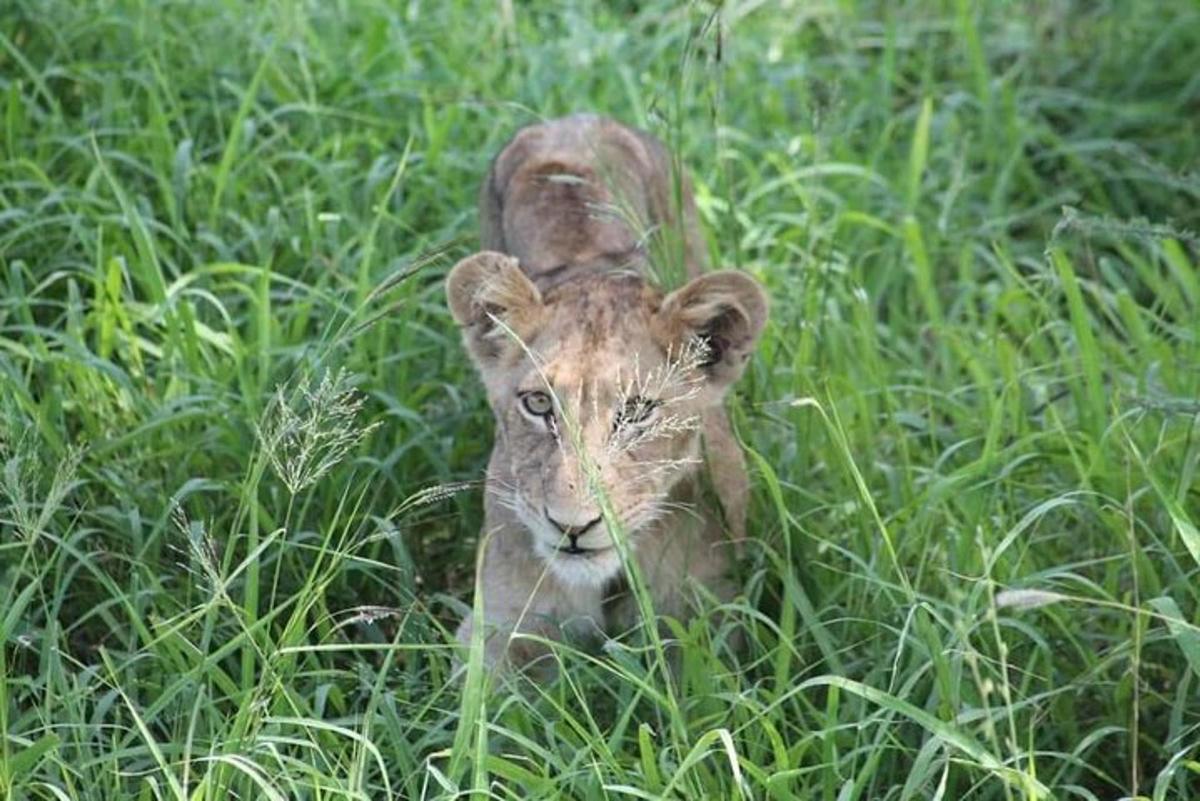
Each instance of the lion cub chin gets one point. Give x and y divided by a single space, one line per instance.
607 391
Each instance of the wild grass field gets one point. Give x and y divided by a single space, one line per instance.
240 443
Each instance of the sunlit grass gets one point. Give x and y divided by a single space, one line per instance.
974 421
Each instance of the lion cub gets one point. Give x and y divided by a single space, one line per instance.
607 392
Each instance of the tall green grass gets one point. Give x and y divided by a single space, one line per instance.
974 422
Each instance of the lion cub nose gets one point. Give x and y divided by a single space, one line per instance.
572 531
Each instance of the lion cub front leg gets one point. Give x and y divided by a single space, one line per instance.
525 606
508 645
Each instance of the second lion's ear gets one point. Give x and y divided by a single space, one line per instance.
493 302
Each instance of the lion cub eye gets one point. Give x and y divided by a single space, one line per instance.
635 411
537 404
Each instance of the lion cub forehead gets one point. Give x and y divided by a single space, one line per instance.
615 360
597 331
602 311
607 291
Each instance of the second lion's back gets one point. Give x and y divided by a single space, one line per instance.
586 192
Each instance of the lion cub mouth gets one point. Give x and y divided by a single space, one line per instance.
575 550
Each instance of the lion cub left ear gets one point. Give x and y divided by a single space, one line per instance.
492 300
726 311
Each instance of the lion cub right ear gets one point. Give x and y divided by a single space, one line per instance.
493 302
726 311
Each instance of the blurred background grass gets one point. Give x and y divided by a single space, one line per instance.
973 419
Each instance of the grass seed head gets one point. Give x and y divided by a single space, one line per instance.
307 432
21 479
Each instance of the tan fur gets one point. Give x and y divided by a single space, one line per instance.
558 303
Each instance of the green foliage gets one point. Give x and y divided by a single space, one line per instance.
973 422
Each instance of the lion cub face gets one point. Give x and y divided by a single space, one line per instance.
598 388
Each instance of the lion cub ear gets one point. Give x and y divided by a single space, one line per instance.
491 300
726 311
